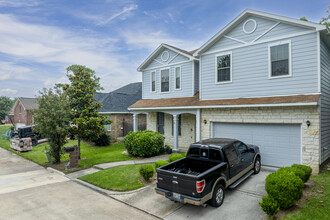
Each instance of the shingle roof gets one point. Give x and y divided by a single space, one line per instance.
183 51
119 100
29 103
194 101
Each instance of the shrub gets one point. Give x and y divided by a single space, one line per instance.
103 140
307 170
269 205
175 157
285 187
160 163
296 171
147 171
144 143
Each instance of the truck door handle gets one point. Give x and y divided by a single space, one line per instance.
232 165
175 182
242 159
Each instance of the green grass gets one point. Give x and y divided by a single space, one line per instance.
90 155
123 178
318 205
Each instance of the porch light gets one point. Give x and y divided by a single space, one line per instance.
205 121
308 123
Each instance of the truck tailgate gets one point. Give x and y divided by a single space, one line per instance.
177 182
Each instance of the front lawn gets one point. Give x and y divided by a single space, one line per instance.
318 205
90 155
123 178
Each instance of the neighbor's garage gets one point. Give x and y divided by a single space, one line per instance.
280 144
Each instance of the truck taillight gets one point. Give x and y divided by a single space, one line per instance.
200 185
156 178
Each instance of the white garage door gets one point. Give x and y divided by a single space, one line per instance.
279 143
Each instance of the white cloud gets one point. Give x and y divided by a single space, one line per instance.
11 71
123 14
18 3
8 91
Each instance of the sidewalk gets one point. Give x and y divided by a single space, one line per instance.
104 166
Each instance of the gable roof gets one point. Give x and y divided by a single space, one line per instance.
185 53
248 12
119 100
28 103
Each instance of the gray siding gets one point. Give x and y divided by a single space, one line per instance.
196 89
186 83
282 29
325 102
177 58
250 72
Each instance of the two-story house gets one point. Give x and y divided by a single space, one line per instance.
263 79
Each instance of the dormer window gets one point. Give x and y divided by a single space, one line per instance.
153 81
279 59
223 68
178 78
165 80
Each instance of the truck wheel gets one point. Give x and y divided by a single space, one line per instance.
34 142
218 196
257 166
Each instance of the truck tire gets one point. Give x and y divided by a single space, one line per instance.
218 196
34 142
257 165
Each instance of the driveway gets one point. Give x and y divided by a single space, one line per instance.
240 203
28 191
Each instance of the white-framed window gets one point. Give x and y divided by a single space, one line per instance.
223 67
165 80
279 58
153 81
107 127
177 77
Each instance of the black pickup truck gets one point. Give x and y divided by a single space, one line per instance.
209 167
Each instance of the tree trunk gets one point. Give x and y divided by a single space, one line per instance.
79 146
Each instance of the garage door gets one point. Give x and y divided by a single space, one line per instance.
279 143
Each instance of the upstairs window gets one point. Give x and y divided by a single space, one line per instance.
178 77
153 81
223 66
165 80
279 60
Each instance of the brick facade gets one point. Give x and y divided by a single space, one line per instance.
21 115
295 115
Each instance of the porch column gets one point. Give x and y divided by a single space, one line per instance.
175 133
135 121
198 125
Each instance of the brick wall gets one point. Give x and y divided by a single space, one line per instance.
294 115
23 116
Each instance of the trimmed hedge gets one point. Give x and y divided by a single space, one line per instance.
269 205
103 140
175 157
296 171
147 171
144 143
160 163
306 169
285 187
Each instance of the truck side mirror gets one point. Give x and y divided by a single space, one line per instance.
252 150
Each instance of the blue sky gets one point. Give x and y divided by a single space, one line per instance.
39 39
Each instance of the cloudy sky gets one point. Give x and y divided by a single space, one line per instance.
40 38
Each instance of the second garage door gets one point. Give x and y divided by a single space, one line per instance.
280 144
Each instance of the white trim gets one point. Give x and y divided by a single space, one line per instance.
172 58
179 52
175 78
113 113
169 65
301 143
270 62
159 62
193 77
255 26
200 78
269 29
164 53
247 12
231 67
261 42
318 44
169 79
151 81
235 39
230 106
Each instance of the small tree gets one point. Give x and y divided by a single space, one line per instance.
52 119
83 85
5 104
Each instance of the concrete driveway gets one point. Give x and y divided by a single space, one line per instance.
240 203
28 191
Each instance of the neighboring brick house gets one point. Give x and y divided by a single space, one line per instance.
114 106
21 114
263 79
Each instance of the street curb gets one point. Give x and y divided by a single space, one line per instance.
52 170
107 193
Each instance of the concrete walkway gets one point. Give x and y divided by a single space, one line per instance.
105 166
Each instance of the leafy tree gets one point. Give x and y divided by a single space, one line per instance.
304 18
52 119
83 84
5 105
325 20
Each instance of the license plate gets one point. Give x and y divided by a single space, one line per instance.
177 196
